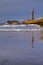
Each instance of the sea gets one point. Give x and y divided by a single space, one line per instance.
23 46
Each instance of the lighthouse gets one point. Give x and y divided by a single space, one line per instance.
32 14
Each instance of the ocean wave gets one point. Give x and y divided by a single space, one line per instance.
17 30
12 25
20 25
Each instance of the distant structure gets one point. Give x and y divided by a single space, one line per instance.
32 14
31 20
13 22
38 21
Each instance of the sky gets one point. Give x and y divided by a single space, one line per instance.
20 9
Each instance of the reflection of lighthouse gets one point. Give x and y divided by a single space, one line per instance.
32 14
32 39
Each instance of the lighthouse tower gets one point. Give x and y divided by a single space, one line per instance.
32 14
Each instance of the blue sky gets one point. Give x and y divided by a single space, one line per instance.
21 9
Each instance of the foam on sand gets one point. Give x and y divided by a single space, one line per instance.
21 30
